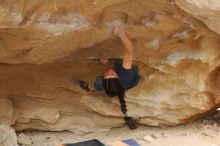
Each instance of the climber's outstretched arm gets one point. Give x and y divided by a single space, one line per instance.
128 47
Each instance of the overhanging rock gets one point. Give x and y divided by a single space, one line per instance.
44 47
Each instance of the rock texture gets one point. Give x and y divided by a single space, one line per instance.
7 136
206 11
23 139
6 111
44 47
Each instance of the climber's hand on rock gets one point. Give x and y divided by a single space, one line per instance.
104 61
119 31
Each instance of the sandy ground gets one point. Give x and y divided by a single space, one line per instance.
204 132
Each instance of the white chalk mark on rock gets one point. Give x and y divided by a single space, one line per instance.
58 24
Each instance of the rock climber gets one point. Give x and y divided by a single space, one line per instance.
123 76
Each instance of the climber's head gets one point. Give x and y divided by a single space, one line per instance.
113 87
112 84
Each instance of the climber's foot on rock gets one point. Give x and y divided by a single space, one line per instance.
84 85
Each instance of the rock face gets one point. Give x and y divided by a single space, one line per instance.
206 11
24 140
6 111
44 47
7 136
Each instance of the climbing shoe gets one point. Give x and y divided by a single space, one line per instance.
132 124
84 85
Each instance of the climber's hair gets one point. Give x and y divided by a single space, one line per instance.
114 87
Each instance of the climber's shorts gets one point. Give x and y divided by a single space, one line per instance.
98 85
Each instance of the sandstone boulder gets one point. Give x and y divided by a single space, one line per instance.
6 111
44 52
206 11
7 136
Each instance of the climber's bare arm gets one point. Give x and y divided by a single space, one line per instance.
128 47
